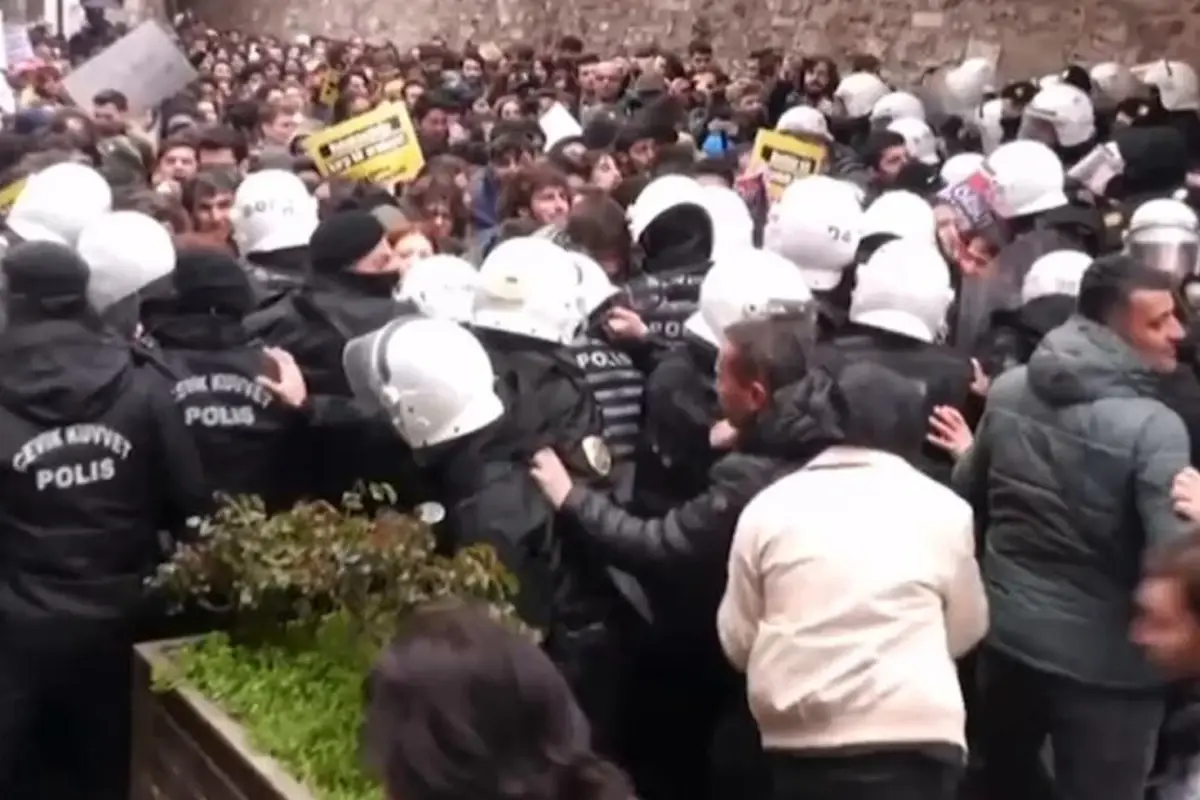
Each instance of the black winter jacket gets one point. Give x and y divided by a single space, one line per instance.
680 557
96 461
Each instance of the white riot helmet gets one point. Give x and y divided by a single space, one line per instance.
58 202
272 210
1059 115
960 167
1176 82
988 120
1026 178
804 121
858 93
528 287
593 288
922 144
441 286
898 105
1165 234
816 225
1058 272
904 287
901 214
745 285
658 197
431 376
966 84
735 226
126 251
1112 83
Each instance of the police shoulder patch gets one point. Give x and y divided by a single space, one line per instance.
597 454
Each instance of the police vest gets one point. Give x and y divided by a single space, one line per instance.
665 300
617 386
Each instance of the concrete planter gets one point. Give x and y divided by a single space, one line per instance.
185 748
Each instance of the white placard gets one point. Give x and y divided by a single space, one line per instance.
145 65
558 124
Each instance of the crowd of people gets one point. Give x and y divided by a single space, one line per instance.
865 475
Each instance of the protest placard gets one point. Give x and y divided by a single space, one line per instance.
785 158
379 146
145 65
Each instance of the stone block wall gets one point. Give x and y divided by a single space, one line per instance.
1034 36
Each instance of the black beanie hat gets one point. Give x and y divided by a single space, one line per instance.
207 279
342 239
43 271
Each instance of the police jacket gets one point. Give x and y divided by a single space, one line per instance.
245 436
1014 334
95 461
276 273
347 444
680 404
941 376
680 557
547 404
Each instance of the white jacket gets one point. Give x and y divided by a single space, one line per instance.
852 587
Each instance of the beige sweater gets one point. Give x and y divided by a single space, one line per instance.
852 587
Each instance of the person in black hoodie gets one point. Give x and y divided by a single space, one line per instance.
245 436
348 292
96 462
784 412
675 234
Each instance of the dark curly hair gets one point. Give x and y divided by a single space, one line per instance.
461 707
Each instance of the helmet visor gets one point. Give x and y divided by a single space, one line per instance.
1174 251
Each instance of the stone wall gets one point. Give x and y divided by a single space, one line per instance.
1034 36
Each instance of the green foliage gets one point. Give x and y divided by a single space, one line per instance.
315 593
299 699
315 559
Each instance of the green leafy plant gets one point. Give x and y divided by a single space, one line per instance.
314 592
317 559
298 699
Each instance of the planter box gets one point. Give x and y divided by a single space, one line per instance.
185 748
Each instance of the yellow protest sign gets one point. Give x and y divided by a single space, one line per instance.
379 146
9 195
327 95
785 158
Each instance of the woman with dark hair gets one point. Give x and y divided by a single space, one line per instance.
461 707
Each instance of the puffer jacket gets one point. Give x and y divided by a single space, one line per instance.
1071 471
680 557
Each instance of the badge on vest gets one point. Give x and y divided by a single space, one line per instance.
597 455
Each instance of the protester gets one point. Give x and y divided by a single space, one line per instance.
616 260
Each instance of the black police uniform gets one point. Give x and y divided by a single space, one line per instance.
247 438
274 274
678 253
547 404
674 454
617 384
244 434
95 461
941 375
345 444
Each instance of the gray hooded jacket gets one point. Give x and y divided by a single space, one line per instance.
1071 472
